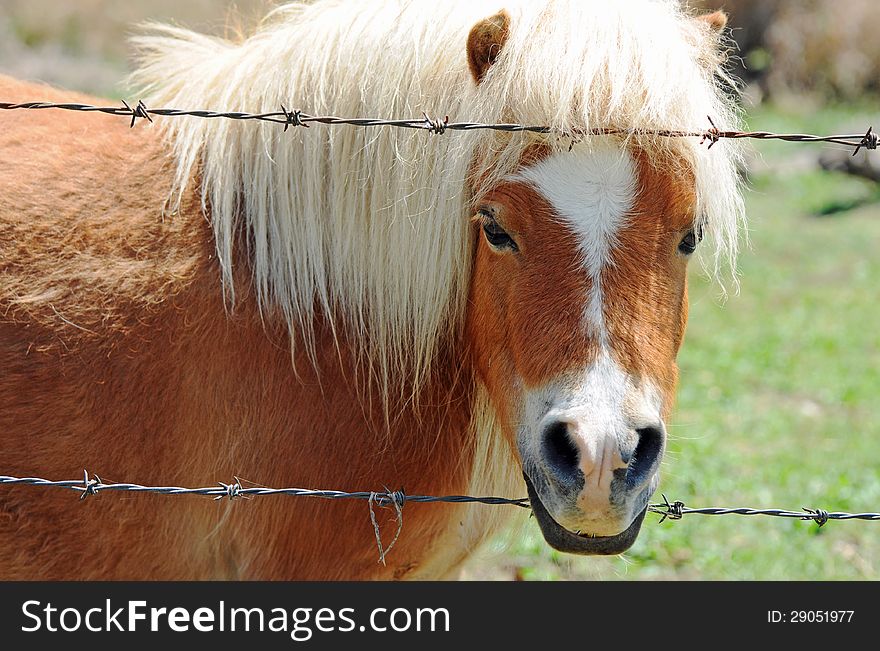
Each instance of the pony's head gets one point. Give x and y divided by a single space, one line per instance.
555 264
578 305
578 296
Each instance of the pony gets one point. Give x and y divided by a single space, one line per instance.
476 312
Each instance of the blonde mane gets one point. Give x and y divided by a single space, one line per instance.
370 226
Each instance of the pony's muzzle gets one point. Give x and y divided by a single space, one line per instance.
597 481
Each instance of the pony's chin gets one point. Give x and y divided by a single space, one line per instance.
561 539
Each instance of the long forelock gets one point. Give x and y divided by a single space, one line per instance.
643 65
369 226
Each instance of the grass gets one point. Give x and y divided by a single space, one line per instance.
778 400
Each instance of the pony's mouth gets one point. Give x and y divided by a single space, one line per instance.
561 539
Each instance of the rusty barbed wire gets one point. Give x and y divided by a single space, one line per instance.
297 118
92 485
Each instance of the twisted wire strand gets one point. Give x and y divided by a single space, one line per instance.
94 485
677 509
668 510
805 514
298 118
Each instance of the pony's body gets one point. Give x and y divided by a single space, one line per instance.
315 309
117 350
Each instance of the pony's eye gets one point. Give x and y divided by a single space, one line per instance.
496 236
688 243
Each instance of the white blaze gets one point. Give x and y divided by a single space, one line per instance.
592 190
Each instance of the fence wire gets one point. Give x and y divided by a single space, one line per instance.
676 510
297 118
92 485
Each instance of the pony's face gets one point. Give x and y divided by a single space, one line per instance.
577 310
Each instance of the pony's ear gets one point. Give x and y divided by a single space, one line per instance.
484 43
717 20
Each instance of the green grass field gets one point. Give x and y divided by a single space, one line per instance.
778 401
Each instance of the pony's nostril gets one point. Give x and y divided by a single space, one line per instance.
645 457
561 454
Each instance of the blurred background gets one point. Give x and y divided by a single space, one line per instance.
779 400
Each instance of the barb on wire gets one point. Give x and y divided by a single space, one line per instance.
712 134
297 118
437 126
232 490
292 118
819 515
90 486
139 111
671 511
869 141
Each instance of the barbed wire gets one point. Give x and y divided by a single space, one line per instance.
88 486
297 118
676 510
92 485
